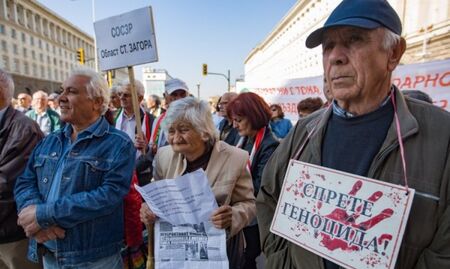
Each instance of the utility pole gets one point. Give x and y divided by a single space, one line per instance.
205 72
198 91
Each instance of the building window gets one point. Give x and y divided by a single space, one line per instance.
24 39
16 66
48 59
15 49
60 52
46 46
33 55
49 73
41 57
42 71
56 74
25 52
54 61
40 44
35 70
31 41
13 33
4 46
27 68
5 62
2 29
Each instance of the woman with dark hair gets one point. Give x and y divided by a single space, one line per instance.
251 115
279 125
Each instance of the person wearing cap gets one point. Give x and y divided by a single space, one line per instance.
362 45
53 102
175 89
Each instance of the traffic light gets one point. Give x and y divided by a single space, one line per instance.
205 69
80 56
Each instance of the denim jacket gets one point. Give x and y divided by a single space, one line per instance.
94 180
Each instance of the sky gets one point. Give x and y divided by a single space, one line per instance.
191 32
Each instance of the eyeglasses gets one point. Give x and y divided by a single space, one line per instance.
126 95
223 104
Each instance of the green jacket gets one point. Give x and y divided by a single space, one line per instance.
55 123
426 136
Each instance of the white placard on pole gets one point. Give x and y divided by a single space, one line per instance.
353 221
126 40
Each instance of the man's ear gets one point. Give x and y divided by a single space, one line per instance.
396 54
98 103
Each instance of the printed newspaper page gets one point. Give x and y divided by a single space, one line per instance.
184 235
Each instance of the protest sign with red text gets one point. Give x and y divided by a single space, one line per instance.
354 221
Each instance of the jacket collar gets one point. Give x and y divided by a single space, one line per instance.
408 126
99 128
408 123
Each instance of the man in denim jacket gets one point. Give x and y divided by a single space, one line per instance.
70 196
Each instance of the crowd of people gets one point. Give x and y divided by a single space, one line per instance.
69 160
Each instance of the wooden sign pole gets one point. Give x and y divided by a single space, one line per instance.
137 115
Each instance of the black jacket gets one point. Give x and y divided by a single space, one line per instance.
18 136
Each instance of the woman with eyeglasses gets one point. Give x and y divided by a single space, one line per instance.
279 125
251 115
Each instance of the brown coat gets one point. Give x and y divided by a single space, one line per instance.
425 131
228 176
18 136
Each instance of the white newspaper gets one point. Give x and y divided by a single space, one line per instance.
184 235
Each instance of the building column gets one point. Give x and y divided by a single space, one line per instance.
25 17
4 9
14 6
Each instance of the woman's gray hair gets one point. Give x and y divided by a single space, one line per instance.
195 112
138 86
7 83
96 87
390 39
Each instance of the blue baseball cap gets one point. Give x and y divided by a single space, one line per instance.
368 14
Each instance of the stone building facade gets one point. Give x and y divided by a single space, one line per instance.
283 55
38 47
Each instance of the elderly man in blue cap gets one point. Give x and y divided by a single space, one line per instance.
370 130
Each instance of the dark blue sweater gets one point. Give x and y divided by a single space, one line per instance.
350 144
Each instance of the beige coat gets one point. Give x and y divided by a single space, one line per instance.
228 177
426 137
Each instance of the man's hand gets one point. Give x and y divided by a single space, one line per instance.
140 143
221 217
49 234
27 219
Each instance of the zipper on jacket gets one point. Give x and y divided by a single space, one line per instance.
380 158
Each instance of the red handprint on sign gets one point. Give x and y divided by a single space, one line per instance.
345 219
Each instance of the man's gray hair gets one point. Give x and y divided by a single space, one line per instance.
96 87
40 93
7 84
195 112
116 88
138 86
390 39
